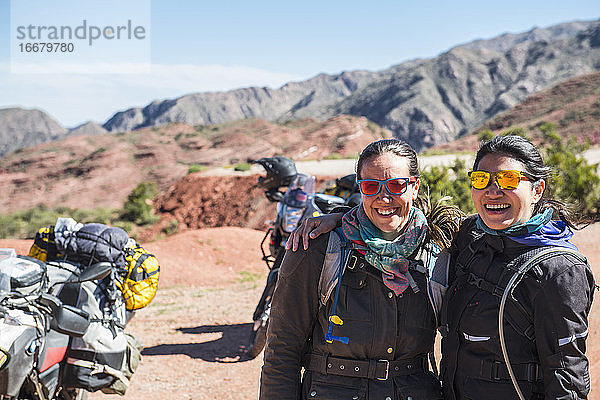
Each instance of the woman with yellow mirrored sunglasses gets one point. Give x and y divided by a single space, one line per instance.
505 179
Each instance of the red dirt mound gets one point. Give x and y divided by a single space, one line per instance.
197 201
206 201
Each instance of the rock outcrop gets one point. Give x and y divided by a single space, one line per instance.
23 128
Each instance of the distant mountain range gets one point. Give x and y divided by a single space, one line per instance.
89 170
23 128
20 128
426 102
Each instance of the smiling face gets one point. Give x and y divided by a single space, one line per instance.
502 208
386 211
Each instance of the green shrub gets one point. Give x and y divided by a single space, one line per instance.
573 179
451 181
196 168
485 135
516 130
242 167
138 207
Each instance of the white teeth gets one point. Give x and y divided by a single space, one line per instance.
386 211
497 206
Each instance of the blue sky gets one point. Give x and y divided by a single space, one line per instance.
206 46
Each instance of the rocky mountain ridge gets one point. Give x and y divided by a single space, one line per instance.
572 106
21 128
425 102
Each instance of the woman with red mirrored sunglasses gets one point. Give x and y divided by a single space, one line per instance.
363 328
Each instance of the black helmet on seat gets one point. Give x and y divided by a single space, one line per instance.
280 172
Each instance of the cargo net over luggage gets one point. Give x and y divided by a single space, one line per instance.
137 271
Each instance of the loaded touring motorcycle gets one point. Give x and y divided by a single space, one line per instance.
36 325
62 320
297 203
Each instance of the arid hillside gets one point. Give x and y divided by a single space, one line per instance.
90 171
573 106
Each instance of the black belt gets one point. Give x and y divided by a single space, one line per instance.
371 369
496 370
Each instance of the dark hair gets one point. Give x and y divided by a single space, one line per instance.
522 150
394 146
443 220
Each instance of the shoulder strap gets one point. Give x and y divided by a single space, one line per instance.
527 261
540 255
517 315
438 283
335 258
465 255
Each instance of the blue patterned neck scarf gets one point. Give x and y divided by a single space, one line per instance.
540 230
390 257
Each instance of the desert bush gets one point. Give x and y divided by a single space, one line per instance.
196 168
138 207
451 181
242 167
518 131
574 180
485 134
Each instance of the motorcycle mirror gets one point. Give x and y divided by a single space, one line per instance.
50 301
95 272
91 273
274 195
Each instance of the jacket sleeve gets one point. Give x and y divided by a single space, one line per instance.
561 311
293 311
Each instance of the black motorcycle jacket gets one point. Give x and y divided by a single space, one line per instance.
545 323
389 336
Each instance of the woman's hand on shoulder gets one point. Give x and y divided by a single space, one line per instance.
311 228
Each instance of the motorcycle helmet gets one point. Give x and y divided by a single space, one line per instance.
280 172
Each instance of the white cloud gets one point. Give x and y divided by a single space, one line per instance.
73 98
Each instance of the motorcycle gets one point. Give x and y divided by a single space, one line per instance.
298 203
37 326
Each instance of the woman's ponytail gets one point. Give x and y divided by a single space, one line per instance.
443 219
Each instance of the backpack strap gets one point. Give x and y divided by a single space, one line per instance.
438 283
447 275
517 315
466 255
334 319
336 257
526 261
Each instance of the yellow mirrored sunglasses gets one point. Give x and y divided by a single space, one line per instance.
505 179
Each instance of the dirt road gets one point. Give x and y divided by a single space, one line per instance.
346 166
